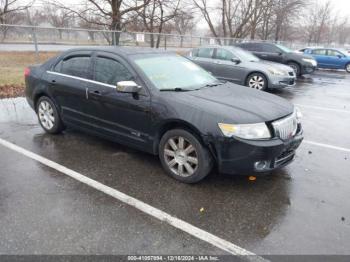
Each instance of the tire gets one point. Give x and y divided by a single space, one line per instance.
188 167
296 67
257 81
48 116
347 68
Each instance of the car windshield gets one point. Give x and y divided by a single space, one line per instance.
283 48
245 55
173 72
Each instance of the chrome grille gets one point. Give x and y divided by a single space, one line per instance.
286 128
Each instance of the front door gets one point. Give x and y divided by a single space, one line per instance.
335 59
271 52
225 69
125 117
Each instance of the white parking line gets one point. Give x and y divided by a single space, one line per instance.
324 108
327 146
143 207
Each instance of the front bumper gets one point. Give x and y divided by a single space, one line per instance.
308 69
281 81
238 156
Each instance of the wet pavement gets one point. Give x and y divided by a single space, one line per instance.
301 209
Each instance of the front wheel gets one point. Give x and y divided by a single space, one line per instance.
183 157
48 116
257 81
347 68
296 68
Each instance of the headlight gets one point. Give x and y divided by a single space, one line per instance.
311 61
298 114
275 71
246 131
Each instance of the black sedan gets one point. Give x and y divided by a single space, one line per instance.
164 104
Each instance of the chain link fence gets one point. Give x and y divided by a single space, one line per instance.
46 39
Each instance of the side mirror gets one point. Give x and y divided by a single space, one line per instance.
339 56
128 87
235 60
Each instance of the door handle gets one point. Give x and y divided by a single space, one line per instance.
53 81
95 92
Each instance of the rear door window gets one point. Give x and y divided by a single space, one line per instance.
75 66
319 52
110 71
205 52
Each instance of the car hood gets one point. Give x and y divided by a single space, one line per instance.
237 104
299 55
266 64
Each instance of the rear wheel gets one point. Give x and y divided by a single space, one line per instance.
48 116
296 68
347 68
183 157
257 81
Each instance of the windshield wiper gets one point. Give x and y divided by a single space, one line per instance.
214 84
176 89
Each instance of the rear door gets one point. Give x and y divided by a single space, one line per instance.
122 116
68 85
204 58
321 57
270 52
225 69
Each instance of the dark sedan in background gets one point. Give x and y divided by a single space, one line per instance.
242 67
166 105
302 64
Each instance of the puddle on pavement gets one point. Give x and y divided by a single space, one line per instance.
16 110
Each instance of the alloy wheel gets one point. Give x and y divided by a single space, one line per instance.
257 82
181 156
46 115
295 68
348 68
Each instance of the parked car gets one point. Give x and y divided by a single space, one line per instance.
166 105
241 67
301 63
330 58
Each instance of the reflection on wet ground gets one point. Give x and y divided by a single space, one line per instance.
303 208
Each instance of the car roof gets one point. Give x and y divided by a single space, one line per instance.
217 46
125 51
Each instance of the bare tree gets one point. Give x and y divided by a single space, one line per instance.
184 23
111 14
207 12
155 15
58 17
8 10
283 11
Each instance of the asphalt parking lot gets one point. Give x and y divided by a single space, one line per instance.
301 209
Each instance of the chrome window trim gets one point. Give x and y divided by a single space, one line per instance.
82 79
